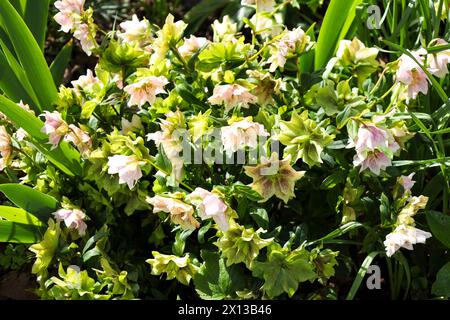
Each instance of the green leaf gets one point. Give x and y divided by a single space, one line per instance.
59 65
283 271
21 76
19 233
247 192
336 23
162 161
33 201
338 232
261 217
10 84
19 215
441 287
29 54
439 224
215 281
88 109
65 157
35 15
361 274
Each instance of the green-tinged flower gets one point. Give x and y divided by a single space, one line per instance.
74 284
168 36
239 244
284 270
67 98
324 261
123 55
363 60
180 268
225 30
305 138
199 125
45 250
351 197
274 177
412 207
266 85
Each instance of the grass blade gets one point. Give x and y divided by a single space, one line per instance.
361 274
61 62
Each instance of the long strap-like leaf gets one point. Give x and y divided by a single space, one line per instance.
29 54
35 15
337 21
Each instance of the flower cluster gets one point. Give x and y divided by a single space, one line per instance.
287 159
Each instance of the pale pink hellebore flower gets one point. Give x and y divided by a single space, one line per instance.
191 45
69 13
438 62
73 218
242 134
232 95
55 127
210 206
128 168
145 90
412 76
5 147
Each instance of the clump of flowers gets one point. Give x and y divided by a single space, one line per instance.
241 168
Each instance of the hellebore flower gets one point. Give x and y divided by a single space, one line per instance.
242 134
55 127
79 138
232 95
407 182
87 82
135 31
375 147
145 90
438 61
180 212
5 147
404 237
411 75
274 177
209 206
83 33
69 13
304 138
291 41
129 126
73 218
128 168
191 45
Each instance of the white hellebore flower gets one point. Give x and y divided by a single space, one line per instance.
404 236
69 13
145 90
191 45
438 61
128 168
135 30
242 134
73 218
232 95
209 206
411 75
